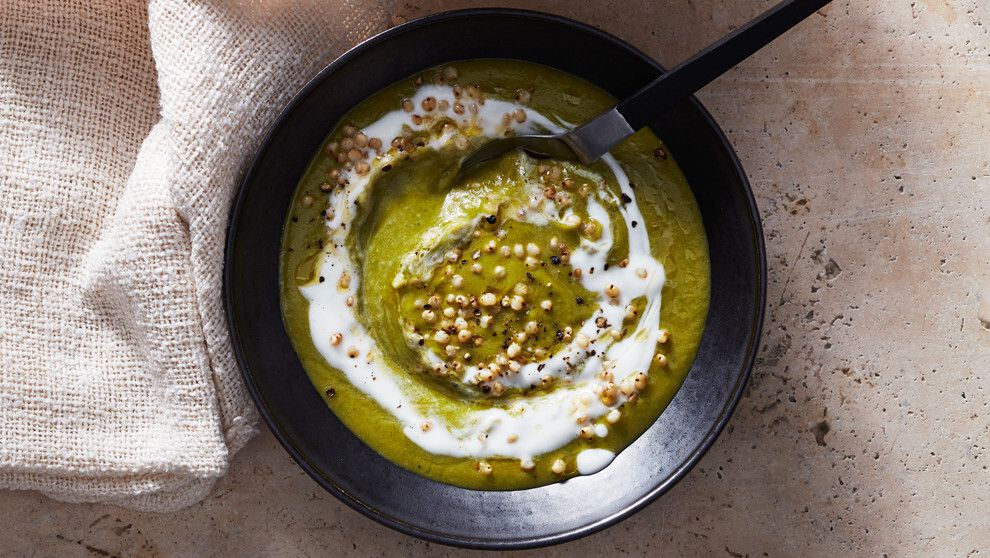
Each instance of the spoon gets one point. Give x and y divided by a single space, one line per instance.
589 141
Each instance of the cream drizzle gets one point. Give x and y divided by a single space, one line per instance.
541 423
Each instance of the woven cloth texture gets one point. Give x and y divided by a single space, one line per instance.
124 129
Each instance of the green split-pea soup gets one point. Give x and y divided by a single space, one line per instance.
504 329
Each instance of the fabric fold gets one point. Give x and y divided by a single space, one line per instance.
124 131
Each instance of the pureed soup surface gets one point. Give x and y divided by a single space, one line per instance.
508 328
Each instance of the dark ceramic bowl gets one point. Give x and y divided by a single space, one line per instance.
352 471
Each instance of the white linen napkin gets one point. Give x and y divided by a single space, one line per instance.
124 129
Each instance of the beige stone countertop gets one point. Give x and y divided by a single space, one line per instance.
865 427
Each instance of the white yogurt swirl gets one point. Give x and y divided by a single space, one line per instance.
525 427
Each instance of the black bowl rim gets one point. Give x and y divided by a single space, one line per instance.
398 525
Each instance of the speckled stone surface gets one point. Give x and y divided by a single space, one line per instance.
865 428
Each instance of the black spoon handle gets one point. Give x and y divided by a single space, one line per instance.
696 72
